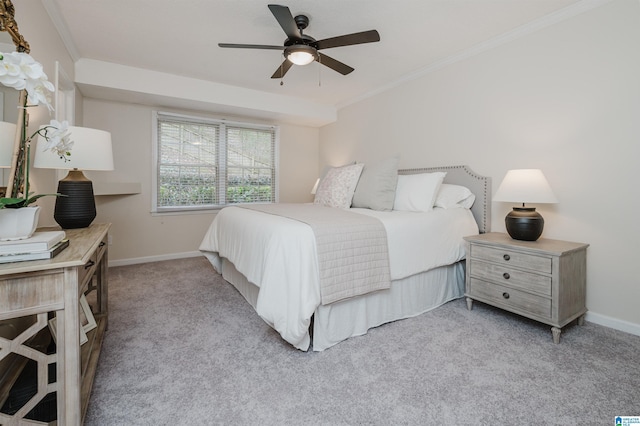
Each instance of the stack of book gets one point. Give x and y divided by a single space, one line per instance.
41 245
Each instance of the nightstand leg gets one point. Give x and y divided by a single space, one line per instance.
469 303
581 320
556 334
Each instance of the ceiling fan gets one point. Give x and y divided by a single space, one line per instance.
301 49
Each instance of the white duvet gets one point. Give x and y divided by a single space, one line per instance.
278 255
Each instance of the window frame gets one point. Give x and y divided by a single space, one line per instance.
222 160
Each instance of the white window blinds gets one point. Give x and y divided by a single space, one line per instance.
209 163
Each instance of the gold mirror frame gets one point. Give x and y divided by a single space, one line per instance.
9 24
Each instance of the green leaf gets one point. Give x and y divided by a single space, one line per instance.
16 203
12 202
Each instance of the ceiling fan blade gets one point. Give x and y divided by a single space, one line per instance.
348 39
334 64
282 69
250 46
286 21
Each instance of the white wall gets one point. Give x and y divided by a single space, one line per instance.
565 99
138 235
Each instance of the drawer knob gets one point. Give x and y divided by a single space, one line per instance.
506 276
505 295
506 257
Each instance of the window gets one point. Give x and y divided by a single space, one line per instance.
201 163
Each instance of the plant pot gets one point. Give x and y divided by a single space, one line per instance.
18 224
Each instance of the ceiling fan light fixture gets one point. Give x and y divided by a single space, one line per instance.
300 54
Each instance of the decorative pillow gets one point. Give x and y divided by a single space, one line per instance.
417 193
376 188
337 187
454 197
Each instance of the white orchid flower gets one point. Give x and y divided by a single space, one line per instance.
58 139
10 73
40 92
20 71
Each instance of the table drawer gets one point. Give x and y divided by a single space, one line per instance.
31 293
519 301
504 275
512 258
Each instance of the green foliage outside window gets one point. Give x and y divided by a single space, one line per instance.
214 163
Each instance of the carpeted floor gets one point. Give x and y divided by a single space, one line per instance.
184 348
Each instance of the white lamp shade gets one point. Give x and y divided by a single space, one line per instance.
315 187
91 151
525 186
7 139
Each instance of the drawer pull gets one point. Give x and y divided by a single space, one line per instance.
505 295
506 276
506 257
102 244
89 264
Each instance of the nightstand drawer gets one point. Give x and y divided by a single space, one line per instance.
512 258
500 274
520 301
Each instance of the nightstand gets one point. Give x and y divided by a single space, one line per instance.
544 280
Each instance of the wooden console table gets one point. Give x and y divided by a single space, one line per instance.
38 288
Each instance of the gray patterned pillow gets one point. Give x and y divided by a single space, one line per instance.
337 187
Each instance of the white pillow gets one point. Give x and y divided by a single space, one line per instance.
417 193
454 197
337 187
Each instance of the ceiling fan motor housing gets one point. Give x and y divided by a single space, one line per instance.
303 46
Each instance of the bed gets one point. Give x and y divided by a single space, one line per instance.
278 260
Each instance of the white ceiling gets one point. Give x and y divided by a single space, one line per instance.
181 38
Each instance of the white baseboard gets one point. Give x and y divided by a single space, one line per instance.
159 258
618 324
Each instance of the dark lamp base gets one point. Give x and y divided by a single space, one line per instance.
524 223
78 208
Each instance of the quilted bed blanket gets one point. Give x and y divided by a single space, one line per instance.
352 249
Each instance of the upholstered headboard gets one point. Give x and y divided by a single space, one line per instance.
479 185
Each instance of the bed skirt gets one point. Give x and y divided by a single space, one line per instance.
406 298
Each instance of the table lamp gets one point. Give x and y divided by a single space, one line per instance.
524 186
91 151
315 187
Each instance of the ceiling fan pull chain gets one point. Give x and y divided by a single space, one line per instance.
281 75
320 72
